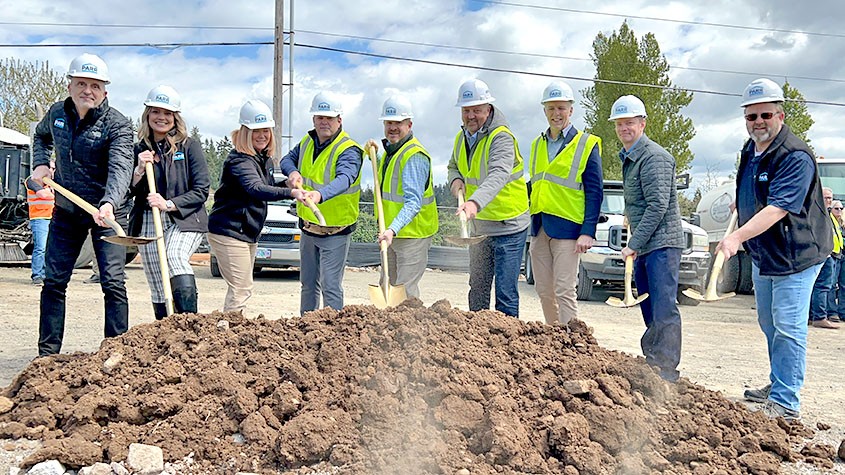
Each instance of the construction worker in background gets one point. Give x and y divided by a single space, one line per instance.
825 282
566 194
327 164
93 146
836 296
487 168
407 192
657 238
786 229
40 200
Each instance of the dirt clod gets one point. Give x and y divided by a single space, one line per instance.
407 390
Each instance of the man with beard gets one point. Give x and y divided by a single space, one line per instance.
784 225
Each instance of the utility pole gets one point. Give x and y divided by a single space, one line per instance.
278 76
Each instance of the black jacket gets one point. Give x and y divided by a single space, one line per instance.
93 155
240 204
797 241
182 178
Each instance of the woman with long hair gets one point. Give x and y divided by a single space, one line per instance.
240 203
181 183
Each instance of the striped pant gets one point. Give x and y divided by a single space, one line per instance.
179 246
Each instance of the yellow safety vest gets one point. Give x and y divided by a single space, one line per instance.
556 186
512 199
424 223
342 210
837 235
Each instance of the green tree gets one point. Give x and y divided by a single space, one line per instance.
621 57
24 86
797 117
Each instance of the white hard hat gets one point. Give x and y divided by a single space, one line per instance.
164 97
627 106
326 104
88 65
557 91
474 92
761 90
256 115
396 108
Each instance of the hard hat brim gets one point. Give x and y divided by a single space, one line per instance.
160 105
626 116
751 102
264 125
557 99
325 114
476 102
395 118
89 76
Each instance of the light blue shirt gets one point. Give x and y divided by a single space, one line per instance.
414 180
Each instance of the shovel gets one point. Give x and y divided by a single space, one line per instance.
464 239
711 294
313 207
629 300
162 252
121 238
384 295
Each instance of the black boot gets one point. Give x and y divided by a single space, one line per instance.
159 310
184 293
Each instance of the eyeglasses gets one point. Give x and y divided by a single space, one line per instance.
837 208
764 116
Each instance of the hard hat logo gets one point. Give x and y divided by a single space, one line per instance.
260 118
755 91
468 95
555 93
390 111
162 98
89 68
324 106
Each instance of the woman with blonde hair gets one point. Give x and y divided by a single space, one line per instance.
240 204
181 183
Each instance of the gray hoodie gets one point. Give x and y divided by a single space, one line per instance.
500 167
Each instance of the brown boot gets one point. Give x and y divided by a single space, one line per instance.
825 324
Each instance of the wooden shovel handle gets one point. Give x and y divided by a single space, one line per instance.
313 207
88 207
160 244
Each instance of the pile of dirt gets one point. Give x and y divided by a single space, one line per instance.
406 390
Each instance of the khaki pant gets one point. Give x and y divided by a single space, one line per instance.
406 260
236 260
555 265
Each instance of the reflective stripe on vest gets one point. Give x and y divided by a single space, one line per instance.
512 199
341 210
556 186
39 208
837 235
425 223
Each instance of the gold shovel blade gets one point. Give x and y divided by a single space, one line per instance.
395 295
696 295
130 240
628 302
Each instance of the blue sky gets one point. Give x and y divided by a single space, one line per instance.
216 81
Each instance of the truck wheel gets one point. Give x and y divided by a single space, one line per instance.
744 285
684 300
584 289
215 268
86 254
529 269
730 275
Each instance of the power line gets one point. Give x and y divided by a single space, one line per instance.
669 20
550 56
119 25
135 45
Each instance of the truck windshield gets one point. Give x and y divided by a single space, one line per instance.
833 176
613 203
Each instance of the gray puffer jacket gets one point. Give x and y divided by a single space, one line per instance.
651 198
93 155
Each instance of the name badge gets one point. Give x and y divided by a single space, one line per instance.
178 156
763 177
59 123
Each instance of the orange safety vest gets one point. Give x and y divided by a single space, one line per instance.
39 208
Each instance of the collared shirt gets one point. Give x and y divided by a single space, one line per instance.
346 171
554 146
623 154
414 182
471 138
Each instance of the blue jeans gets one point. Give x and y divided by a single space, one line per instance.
323 260
68 232
40 228
782 305
656 273
821 289
836 297
499 258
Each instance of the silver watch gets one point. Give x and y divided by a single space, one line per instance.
169 204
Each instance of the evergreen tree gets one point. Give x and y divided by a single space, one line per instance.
621 57
796 115
26 86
